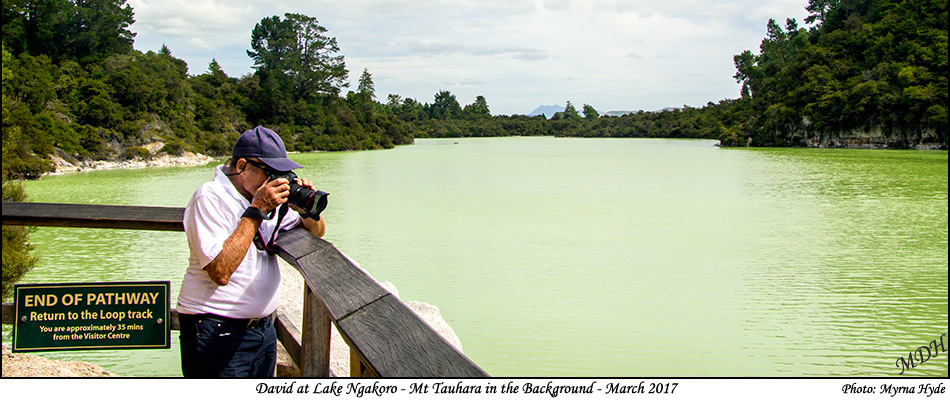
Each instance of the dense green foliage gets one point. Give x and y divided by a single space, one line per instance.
100 99
17 260
867 72
79 30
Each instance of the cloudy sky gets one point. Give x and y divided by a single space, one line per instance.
519 54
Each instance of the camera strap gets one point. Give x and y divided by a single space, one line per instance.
269 246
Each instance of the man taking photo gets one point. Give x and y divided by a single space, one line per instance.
232 283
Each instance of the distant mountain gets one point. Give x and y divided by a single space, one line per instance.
617 113
622 113
548 111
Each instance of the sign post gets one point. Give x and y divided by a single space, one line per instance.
91 316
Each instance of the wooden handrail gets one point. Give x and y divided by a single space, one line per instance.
93 216
386 338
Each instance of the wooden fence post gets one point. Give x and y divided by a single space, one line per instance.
315 343
358 367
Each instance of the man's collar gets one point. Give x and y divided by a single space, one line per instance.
228 185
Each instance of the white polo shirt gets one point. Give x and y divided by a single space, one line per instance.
213 212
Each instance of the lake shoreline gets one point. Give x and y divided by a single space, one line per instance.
62 166
65 164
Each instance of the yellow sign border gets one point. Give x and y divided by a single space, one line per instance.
166 285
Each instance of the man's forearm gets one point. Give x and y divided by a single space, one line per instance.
232 251
317 228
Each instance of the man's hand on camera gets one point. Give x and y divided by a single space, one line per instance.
304 183
271 194
317 228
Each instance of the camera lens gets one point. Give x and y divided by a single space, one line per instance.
310 201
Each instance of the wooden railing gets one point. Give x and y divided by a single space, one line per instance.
386 338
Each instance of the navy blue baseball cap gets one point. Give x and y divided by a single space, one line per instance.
264 144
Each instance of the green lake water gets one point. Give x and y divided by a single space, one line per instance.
597 257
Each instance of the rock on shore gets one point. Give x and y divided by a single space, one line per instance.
62 165
28 365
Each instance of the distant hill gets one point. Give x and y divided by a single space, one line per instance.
622 113
617 113
548 111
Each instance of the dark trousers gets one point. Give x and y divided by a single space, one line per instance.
213 346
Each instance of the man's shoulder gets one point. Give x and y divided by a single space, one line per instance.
212 192
212 203
208 190
219 186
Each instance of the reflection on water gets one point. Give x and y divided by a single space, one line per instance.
569 257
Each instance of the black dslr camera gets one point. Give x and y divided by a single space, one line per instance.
312 202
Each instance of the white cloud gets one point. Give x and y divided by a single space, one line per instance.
557 4
436 49
613 54
189 18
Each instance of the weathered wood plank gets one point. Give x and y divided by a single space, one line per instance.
395 342
173 323
341 286
9 313
315 342
359 367
93 216
288 335
297 243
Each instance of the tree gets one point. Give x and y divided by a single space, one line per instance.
296 64
98 29
478 108
34 27
18 158
746 72
570 112
296 51
394 103
445 106
366 86
14 26
819 10
868 66
17 260
82 30
590 113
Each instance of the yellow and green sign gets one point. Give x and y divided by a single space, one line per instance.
91 316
